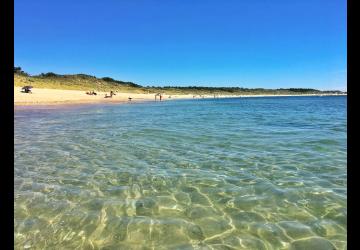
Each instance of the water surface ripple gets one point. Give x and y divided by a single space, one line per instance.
242 173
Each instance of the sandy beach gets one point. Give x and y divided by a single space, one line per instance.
58 96
41 96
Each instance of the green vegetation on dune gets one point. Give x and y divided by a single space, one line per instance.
86 82
75 82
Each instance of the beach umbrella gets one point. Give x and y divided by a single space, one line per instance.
27 87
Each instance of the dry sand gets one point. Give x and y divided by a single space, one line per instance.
58 96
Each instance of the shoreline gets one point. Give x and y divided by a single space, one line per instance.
42 96
57 97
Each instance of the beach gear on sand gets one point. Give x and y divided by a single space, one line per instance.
26 89
91 93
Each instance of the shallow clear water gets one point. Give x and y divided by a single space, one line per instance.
245 173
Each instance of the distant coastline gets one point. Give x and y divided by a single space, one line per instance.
42 96
51 88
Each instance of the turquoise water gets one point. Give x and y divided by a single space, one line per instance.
242 173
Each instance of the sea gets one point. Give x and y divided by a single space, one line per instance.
221 173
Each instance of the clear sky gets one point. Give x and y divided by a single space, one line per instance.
245 43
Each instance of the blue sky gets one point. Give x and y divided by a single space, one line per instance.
245 43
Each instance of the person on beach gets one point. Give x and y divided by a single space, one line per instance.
109 96
160 97
92 92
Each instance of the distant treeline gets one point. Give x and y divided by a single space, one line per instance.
234 90
109 79
17 70
238 89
